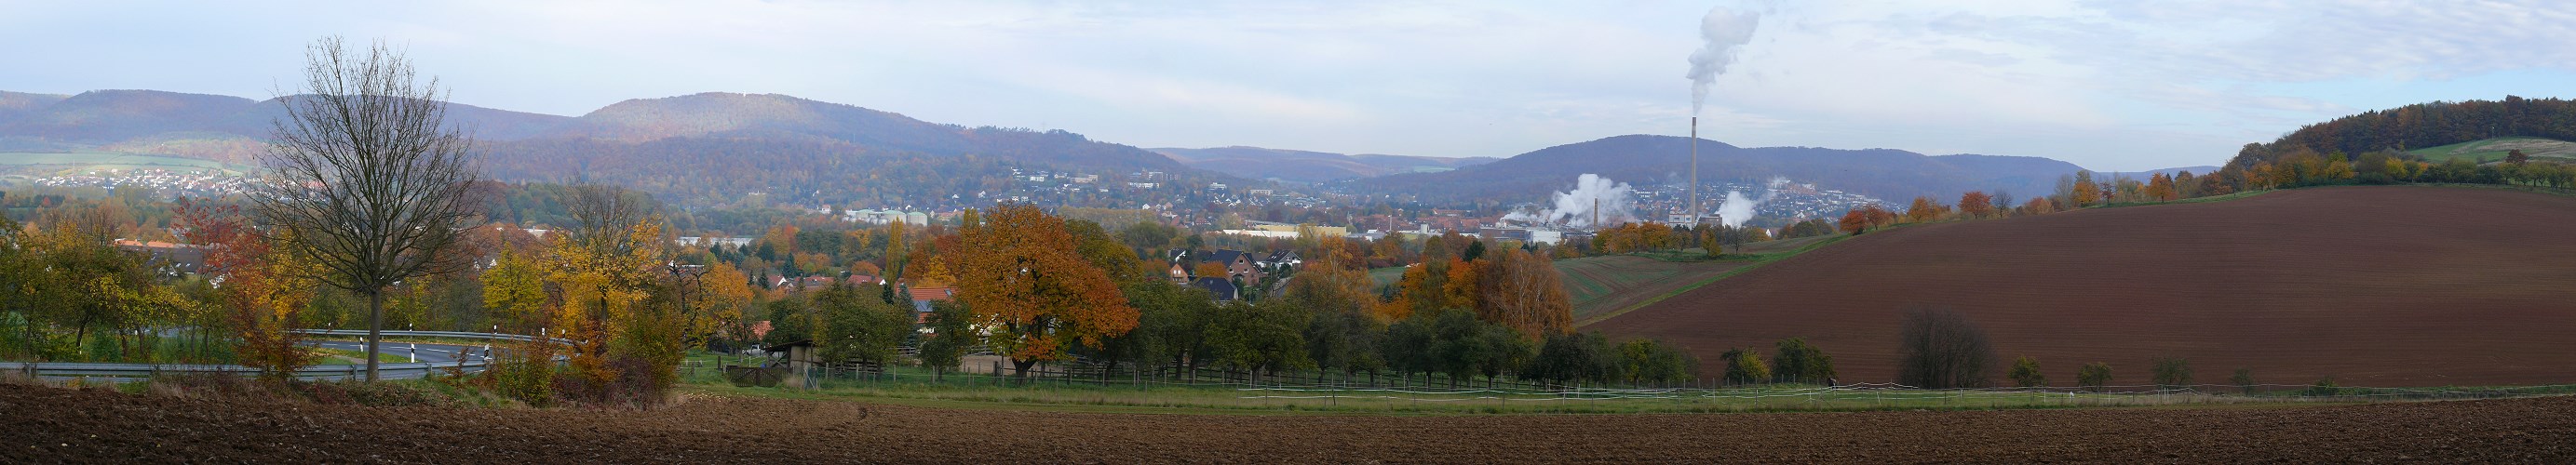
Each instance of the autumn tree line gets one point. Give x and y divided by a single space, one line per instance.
1037 288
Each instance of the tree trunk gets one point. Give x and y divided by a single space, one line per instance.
375 329
1022 367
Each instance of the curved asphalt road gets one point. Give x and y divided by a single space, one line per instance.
402 352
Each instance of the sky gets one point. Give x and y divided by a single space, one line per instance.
2109 85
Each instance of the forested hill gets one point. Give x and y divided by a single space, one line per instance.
1644 159
2423 125
720 115
718 147
212 127
700 148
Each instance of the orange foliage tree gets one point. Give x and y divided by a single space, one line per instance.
1332 280
1976 204
263 292
1853 221
1459 290
1209 270
2161 188
1018 272
1925 209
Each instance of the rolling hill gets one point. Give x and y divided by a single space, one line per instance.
708 146
2373 286
1309 167
1883 173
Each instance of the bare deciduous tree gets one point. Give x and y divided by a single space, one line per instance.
366 176
1943 350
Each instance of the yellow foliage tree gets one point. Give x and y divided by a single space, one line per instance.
1526 292
602 274
717 306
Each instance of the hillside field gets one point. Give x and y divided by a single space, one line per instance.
2373 286
2489 150
1606 283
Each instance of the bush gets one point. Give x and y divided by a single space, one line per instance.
1576 357
1649 361
2244 379
527 377
1943 350
2324 387
1798 362
2025 373
1744 366
2094 376
2173 373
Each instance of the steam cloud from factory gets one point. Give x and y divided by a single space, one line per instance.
1593 197
1739 208
1725 32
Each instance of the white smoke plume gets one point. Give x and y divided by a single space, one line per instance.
1576 208
1725 31
1737 208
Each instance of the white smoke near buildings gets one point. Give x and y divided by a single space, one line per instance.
1738 208
1725 31
1595 201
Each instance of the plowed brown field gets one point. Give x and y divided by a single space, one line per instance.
2374 286
45 425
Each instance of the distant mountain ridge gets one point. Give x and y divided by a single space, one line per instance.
1302 166
766 131
1641 159
717 146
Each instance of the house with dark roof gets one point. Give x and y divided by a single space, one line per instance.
1223 288
171 258
923 296
1281 261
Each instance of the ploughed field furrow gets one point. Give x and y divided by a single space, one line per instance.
2374 286
55 425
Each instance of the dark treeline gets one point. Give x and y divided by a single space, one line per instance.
2423 125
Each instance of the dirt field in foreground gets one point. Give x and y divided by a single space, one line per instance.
54 425
2374 286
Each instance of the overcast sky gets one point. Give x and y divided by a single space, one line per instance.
2118 85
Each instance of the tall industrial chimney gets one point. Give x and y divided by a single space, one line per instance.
1694 171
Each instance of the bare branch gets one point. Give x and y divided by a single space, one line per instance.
365 174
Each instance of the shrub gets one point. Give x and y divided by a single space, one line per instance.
1744 366
2025 373
1943 350
1649 361
2324 387
527 377
2244 379
1799 362
2094 376
1575 357
2173 373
